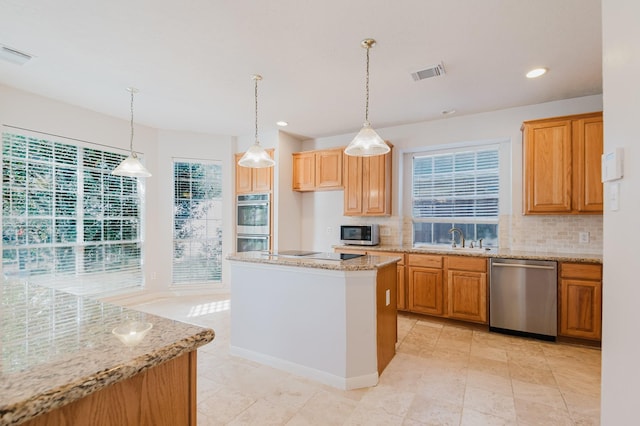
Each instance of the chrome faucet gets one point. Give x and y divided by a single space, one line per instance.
453 237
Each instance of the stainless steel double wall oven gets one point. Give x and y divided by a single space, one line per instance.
253 222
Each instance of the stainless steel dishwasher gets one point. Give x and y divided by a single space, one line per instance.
523 297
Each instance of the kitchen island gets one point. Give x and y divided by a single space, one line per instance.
334 321
63 363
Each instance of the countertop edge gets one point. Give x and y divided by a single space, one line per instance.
515 254
62 395
343 266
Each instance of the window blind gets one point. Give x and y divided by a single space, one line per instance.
452 186
67 223
197 222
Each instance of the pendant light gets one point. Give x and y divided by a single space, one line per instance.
367 142
131 166
256 157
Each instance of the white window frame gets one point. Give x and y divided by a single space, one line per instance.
212 239
104 282
503 147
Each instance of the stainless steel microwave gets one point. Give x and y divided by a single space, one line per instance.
362 235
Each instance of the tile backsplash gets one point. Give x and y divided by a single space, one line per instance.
553 233
557 233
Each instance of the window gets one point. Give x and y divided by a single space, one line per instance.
455 189
67 222
197 222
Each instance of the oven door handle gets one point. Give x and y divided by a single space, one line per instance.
253 204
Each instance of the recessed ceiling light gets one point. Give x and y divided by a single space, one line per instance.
537 72
282 123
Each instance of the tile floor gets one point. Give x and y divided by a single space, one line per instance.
442 374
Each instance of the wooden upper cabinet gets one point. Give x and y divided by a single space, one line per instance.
249 180
589 145
352 185
367 185
561 165
329 169
304 171
317 170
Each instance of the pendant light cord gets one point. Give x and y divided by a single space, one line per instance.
256 98
131 141
366 108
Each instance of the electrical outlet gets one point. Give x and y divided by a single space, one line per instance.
329 230
385 231
583 237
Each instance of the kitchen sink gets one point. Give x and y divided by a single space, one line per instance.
470 249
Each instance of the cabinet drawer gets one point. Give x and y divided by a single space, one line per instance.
426 260
388 253
581 271
466 263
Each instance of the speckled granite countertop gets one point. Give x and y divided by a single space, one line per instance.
364 263
57 348
511 254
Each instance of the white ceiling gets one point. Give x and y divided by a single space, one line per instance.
192 60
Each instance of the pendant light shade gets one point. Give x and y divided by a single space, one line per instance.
367 142
256 157
131 166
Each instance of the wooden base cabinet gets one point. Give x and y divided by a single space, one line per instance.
426 284
164 395
448 286
467 288
580 309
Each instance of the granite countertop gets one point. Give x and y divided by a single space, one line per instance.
505 253
57 348
364 263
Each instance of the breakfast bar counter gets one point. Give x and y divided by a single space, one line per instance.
72 360
327 319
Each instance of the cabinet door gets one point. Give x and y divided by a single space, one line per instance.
467 296
588 148
426 291
243 178
402 298
328 169
376 199
581 308
250 180
352 185
304 170
547 164
262 178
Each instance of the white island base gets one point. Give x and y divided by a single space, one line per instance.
338 327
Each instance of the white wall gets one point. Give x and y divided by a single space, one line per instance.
37 113
322 211
288 204
621 283
184 145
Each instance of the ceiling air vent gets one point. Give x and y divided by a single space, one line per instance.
433 71
14 56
